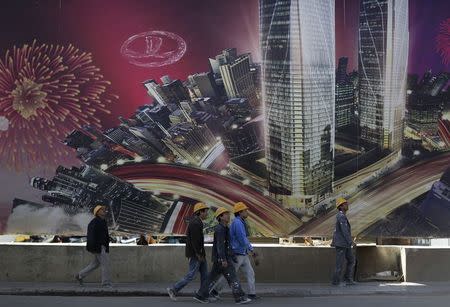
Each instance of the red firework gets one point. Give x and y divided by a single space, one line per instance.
443 41
46 91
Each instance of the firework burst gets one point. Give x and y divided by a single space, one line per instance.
46 91
443 41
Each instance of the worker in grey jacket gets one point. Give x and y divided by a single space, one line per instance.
343 242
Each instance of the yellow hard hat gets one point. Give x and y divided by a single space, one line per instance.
239 206
98 208
22 238
200 206
340 201
220 211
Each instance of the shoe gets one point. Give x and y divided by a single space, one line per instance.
79 279
200 299
243 300
214 296
254 297
107 286
212 299
172 294
350 283
337 284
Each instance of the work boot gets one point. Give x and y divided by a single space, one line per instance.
243 300
200 299
172 294
254 297
79 279
337 284
214 296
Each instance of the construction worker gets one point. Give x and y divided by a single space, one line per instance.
241 248
98 245
195 251
343 242
222 258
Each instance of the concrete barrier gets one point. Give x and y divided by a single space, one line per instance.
28 262
166 263
424 264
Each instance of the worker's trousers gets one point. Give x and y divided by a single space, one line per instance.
102 260
243 263
344 254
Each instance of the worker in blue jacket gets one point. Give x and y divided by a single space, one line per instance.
242 249
343 242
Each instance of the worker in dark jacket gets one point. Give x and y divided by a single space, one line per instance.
98 246
222 258
343 242
195 251
241 248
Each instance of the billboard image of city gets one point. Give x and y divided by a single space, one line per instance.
149 107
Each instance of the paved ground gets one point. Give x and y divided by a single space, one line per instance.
342 301
267 290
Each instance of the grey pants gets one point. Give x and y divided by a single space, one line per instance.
102 260
342 255
243 263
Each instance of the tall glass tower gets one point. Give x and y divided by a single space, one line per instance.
383 59
298 73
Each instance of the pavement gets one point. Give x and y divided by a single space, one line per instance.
329 301
264 290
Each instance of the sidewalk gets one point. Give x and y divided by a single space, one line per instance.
272 290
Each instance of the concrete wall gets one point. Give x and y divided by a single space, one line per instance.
159 263
166 263
427 264
155 263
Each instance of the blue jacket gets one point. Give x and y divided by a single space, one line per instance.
238 237
342 236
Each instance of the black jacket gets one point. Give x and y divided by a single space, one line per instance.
221 246
195 242
97 235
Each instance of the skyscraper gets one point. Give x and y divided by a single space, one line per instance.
341 73
238 79
204 84
176 91
383 58
156 91
298 85
194 144
345 102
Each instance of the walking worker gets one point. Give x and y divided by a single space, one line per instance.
342 241
195 251
222 258
241 248
98 245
